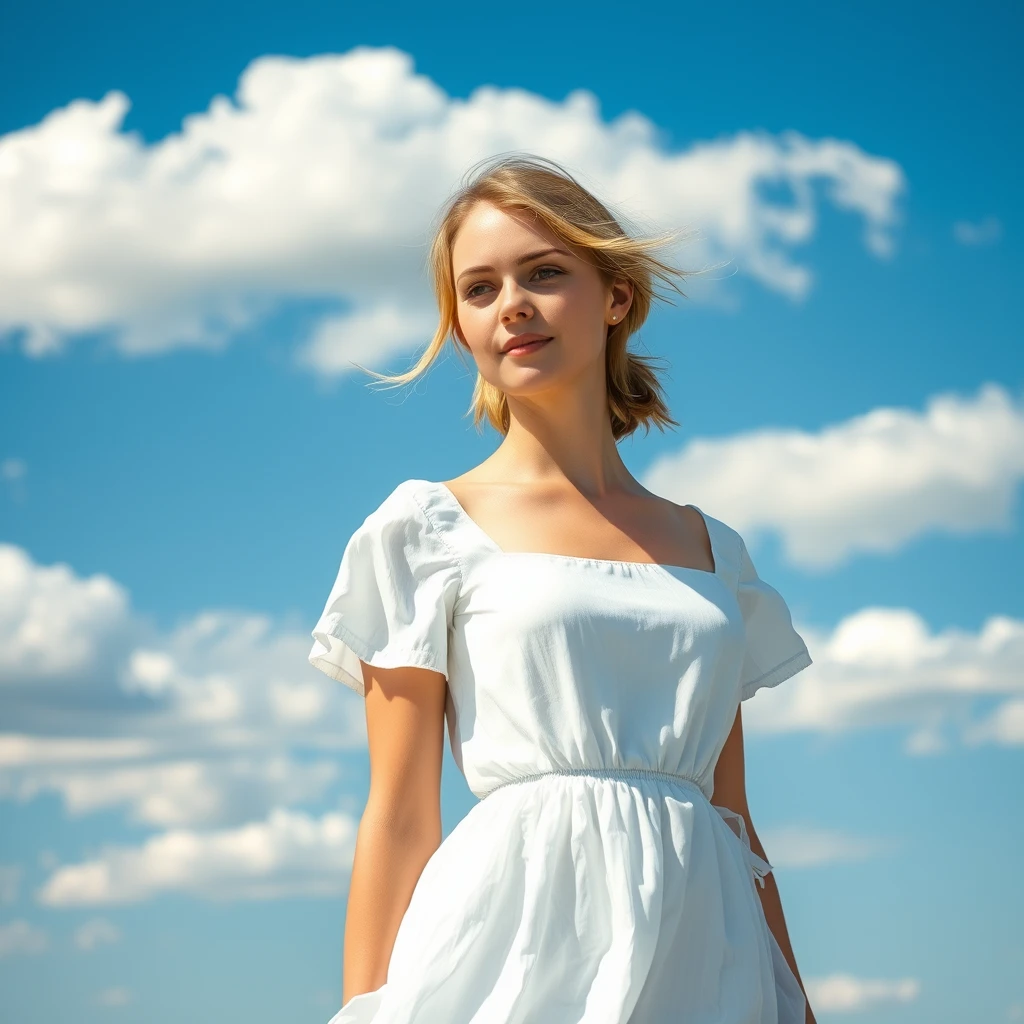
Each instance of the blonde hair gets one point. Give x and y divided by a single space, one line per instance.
585 225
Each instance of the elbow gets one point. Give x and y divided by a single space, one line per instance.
406 820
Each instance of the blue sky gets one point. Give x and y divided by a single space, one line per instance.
183 456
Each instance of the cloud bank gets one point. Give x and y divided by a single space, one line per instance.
319 180
288 854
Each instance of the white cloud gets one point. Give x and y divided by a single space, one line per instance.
170 793
808 846
882 666
21 937
95 933
213 723
320 180
52 621
301 702
843 993
288 854
369 337
1005 725
18 751
874 483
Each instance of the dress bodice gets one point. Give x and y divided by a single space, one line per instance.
556 661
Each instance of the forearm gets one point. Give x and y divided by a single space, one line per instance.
389 858
771 902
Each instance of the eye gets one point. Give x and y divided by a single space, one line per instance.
471 293
557 270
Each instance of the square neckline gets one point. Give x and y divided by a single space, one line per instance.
473 525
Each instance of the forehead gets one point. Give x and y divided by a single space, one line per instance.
490 232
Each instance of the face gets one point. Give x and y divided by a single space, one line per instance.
513 279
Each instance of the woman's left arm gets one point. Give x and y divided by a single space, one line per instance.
731 792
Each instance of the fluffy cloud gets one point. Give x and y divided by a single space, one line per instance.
873 483
883 666
53 622
320 179
213 723
288 854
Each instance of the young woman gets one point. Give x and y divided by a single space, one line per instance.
589 644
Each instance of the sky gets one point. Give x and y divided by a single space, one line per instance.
209 211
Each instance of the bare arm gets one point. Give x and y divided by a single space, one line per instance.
401 826
731 791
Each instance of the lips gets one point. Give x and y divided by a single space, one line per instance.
524 344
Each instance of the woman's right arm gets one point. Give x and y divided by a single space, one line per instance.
401 826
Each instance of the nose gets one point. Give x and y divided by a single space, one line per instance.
515 305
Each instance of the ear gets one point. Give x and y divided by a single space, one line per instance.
621 293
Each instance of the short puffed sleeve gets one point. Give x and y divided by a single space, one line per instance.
774 649
391 603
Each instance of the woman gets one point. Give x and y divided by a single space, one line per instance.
589 643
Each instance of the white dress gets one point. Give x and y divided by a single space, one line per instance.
588 701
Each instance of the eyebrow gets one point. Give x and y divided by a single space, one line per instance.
525 259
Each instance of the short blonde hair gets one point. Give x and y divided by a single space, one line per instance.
584 224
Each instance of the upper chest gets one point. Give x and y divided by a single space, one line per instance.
625 528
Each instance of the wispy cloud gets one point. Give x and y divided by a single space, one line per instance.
870 484
844 993
95 933
808 846
116 996
12 469
1004 726
985 232
320 180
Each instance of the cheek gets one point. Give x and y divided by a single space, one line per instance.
476 327
575 309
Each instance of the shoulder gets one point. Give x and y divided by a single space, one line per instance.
414 521
404 499
726 544
408 503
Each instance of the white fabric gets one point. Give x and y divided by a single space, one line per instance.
588 701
